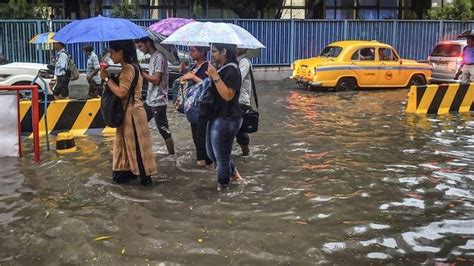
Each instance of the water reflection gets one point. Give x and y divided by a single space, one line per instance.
333 178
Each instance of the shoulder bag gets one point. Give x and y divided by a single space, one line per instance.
251 116
111 105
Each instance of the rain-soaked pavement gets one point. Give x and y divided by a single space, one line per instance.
333 178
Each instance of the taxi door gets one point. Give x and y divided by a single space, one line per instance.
364 66
390 71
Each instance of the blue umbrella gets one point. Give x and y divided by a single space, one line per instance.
99 29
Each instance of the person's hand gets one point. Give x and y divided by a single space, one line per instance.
187 76
212 72
103 74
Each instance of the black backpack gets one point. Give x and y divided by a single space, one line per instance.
111 105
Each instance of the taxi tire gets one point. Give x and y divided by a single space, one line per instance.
417 80
345 84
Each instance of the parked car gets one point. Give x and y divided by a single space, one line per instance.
347 65
24 73
445 60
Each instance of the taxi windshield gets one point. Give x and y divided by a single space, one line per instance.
331 51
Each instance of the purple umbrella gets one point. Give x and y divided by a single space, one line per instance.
167 26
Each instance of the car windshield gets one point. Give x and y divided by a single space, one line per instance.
331 51
447 50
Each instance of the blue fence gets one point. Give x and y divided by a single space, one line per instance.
286 40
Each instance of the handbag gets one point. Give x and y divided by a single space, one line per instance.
251 116
200 102
183 89
192 106
111 107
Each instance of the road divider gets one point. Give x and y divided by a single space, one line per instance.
80 117
441 99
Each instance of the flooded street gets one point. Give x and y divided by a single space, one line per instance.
333 178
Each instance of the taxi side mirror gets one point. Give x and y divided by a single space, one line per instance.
401 61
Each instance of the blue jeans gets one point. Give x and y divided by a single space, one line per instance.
220 136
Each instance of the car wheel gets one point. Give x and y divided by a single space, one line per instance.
417 80
345 84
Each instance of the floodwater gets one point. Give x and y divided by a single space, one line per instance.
333 178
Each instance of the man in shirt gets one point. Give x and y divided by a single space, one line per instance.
245 67
467 65
61 90
92 72
157 94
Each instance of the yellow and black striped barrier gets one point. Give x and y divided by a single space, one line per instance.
80 117
441 99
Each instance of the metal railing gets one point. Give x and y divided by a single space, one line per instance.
286 40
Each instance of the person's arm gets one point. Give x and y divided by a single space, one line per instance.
225 92
154 79
191 76
244 66
158 70
126 78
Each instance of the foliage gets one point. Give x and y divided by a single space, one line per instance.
125 10
457 10
23 9
250 8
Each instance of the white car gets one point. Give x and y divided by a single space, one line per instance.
24 74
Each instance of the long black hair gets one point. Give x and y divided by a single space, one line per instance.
231 51
128 49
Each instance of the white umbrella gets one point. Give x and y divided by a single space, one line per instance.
207 33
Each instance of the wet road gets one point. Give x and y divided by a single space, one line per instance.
333 178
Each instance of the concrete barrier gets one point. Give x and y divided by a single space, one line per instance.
80 117
441 99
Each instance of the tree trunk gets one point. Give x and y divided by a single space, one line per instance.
84 10
98 7
279 9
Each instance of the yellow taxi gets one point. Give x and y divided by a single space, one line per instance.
347 65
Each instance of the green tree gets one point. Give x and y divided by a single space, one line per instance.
457 10
23 9
125 10
242 8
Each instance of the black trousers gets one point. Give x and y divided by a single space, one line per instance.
161 119
62 86
95 90
199 137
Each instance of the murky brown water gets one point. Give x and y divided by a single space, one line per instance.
333 179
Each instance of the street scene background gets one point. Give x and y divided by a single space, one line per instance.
333 178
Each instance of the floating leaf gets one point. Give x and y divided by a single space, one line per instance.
200 240
122 251
47 213
101 238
